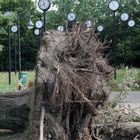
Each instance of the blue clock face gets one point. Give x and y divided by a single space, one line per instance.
44 4
71 16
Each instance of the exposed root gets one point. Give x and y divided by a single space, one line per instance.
75 78
42 123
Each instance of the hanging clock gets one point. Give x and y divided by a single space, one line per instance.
71 16
14 28
88 24
36 32
131 23
60 28
100 28
124 16
39 24
113 5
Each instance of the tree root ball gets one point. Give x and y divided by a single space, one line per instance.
71 84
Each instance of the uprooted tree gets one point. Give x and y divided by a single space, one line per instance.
71 87
71 83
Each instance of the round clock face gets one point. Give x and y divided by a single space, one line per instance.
44 4
100 28
131 23
39 24
113 5
124 16
36 31
71 16
14 28
60 28
88 24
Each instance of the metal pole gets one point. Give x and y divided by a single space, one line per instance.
19 47
37 42
131 39
15 47
44 21
9 48
125 51
114 44
39 38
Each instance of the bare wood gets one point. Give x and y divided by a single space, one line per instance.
42 123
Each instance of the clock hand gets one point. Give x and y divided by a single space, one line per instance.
71 17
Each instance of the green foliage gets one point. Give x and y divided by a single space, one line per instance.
99 13
121 73
96 10
21 9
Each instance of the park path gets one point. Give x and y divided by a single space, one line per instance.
132 99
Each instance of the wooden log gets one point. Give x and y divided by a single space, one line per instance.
14 110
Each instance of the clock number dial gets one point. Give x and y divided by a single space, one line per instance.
124 16
36 32
14 28
60 28
39 24
113 5
131 23
71 16
88 24
100 28
44 4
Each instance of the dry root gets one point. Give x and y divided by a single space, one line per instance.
75 79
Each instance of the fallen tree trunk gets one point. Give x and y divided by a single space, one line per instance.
14 110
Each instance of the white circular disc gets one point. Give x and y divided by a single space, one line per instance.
60 28
88 24
131 23
36 31
39 24
113 5
124 16
14 28
44 4
71 16
100 28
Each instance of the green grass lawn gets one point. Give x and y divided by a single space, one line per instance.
4 83
120 76
4 80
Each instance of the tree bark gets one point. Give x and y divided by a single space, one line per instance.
14 110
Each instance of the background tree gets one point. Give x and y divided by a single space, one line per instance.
96 10
28 49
